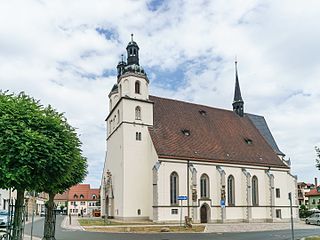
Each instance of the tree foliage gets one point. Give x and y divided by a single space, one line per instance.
39 150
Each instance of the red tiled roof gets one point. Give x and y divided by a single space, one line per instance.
312 192
63 196
75 193
216 135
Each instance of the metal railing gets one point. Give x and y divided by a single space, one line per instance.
6 234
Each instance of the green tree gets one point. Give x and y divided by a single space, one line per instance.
38 150
75 175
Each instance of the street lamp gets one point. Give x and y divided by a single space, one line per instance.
290 199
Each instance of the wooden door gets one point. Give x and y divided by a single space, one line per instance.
204 214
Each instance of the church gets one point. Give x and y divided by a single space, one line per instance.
167 159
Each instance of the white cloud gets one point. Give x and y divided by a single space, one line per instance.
51 50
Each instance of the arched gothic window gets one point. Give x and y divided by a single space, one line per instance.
137 87
138 113
174 188
204 186
231 195
255 191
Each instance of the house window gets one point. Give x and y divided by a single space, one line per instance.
278 213
255 191
94 196
138 113
174 211
75 196
313 201
174 188
137 87
139 211
231 197
138 136
81 196
277 192
204 186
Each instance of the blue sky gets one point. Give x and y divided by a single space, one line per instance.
65 53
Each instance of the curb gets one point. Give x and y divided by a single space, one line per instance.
27 237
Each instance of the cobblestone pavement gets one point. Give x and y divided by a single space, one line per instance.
256 227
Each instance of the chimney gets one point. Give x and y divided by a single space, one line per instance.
316 182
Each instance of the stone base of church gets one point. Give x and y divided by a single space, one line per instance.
229 221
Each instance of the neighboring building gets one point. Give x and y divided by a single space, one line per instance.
35 202
226 162
313 198
7 197
79 199
303 189
61 202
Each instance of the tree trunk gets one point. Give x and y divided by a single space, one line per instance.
18 216
50 220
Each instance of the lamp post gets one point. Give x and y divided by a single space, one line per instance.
292 231
188 186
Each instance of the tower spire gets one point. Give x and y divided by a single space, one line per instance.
238 104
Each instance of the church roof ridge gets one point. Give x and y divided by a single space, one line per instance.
196 104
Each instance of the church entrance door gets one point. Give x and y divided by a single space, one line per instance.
204 213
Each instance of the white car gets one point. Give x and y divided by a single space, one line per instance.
313 219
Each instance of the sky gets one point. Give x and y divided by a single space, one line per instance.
65 53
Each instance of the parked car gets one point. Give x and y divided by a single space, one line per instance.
42 213
4 220
313 219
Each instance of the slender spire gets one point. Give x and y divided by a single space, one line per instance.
238 104
131 37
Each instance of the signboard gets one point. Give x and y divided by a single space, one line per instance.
182 197
222 203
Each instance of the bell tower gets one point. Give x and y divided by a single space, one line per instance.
128 142
133 52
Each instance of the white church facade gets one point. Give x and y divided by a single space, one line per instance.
226 163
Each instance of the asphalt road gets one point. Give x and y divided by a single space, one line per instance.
62 234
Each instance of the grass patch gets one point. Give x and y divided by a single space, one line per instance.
312 238
148 229
101 222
